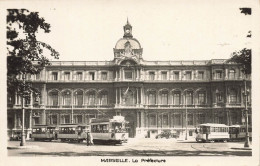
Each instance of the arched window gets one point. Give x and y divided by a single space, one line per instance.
66 98
129 98
152 98
201 97
188 97
176 97
91 98
104 98
164 97
78 98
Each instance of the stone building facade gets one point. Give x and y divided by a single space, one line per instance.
153 96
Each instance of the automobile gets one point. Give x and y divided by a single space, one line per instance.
16 136
166 135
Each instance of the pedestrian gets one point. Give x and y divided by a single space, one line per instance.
88 138
91 139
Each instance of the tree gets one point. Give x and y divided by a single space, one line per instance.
25 52
243 57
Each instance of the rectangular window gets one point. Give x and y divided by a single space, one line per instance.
152 120
201 118
219 97
218 74
233 98
190 119
151 75
53 119
165 120
79 118
232 74
92 75
176 75
36 120
66 118
104 76
201 75
177 119
164 75
176 98
67 76
79 76
188 75
128 75
152 99
54 75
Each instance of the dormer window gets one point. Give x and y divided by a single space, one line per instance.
164 75
188 75
201 75
104 75
151 75
67 76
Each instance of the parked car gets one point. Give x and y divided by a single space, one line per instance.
166 135
16 136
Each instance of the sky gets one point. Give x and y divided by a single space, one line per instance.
169 30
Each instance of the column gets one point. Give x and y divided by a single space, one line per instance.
142 95
137 119
170 119
226 74
45 95
116 76
43 118
29 131
120 101
137 97
116 97
15 119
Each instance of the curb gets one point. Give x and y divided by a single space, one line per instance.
242 148
22 147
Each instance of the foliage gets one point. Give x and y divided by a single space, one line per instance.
25 52
246 11
243 57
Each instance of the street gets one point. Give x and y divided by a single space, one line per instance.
134 147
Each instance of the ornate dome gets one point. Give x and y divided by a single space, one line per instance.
133 42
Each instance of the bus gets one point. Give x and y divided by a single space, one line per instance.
109 131
72 132
211 132
44 132
238 132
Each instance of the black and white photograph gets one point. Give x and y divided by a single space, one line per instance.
130 82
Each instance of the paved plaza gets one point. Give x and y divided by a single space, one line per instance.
134 147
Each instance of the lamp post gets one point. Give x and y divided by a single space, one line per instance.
72 118
23 134
186 117
246 145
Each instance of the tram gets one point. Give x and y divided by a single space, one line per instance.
109 131
238 132
211 132
44 132
72 132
